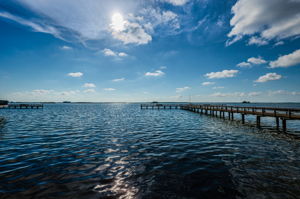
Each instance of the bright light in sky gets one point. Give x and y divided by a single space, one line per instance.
150 50
117 22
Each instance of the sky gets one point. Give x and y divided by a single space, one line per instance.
150 50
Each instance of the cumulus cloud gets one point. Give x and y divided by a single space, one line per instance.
208 83
109 89
179 90
222 74
176 2
244 65
89 85
157 73
286 60
118 79
109 52
252 61
268 77
122 54
269 19
128 32
75 74
258 60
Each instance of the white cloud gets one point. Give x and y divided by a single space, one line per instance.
157 73
252 94
218 87
89 85
76 74
41 91
167 21
68 93
177 2
66 48
286 60
283 92
90 90
108 52
36 27
279 43
257 41
268 77
252 61
258 60
122 54
208 83
119 79
109 89
244 65
222 74
84 19
270 19
128 32
179 90
236 94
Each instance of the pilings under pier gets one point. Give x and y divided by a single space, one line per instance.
282 114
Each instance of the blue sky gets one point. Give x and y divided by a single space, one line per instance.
164 50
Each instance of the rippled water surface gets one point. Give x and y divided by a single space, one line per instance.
120 151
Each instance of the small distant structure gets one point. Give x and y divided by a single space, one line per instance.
246 102
66 101
3 102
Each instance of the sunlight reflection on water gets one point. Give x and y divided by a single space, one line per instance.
120 151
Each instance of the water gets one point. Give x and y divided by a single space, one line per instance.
120 151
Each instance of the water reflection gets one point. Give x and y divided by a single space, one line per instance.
120 151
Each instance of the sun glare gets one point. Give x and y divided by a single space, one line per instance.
117 22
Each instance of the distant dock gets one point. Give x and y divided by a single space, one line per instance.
22 106
224 111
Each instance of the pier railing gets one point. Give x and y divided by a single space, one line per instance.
223 110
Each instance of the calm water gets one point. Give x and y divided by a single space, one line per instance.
120 151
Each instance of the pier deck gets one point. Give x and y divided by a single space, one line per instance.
22 106
224 111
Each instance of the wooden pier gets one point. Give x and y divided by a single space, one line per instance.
224 111
22 106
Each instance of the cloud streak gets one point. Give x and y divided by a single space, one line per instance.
179 90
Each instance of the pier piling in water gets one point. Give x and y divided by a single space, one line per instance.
219 111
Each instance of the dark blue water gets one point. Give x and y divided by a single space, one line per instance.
120 151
